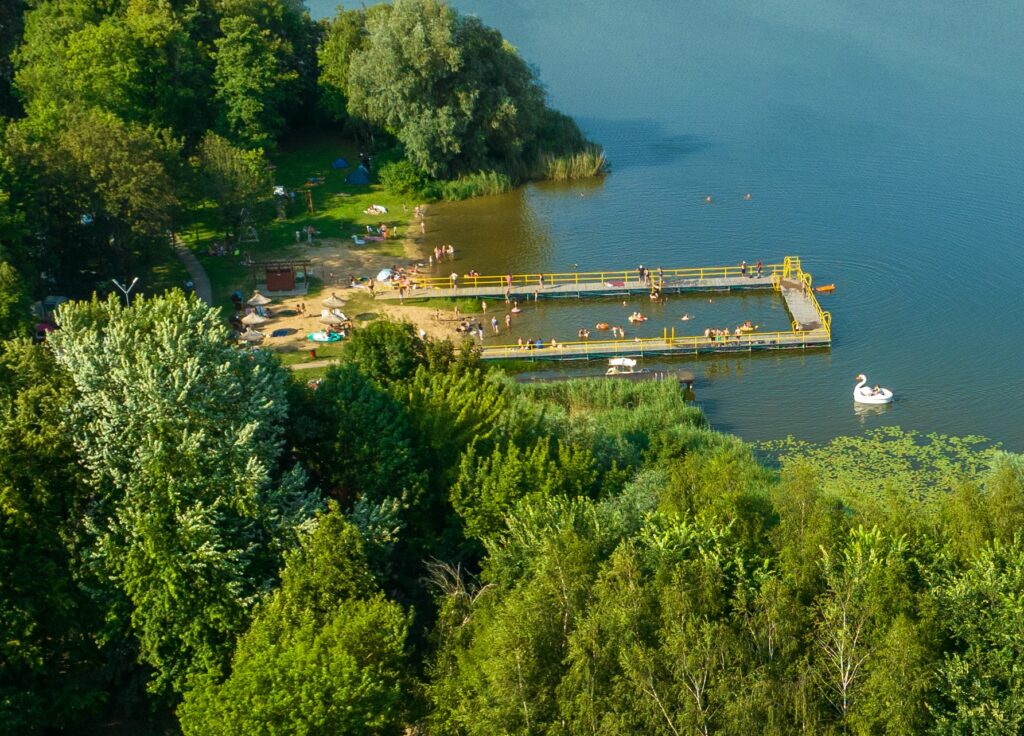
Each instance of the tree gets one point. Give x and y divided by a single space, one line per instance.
181 435
385 351
325 655
49 655
236 179
449 88
130 168
14 303
343 36
979 680
354 436
251 84
11 12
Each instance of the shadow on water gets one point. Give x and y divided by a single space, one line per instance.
636 143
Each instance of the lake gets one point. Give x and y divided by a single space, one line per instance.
881 142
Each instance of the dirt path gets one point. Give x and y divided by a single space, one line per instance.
196 272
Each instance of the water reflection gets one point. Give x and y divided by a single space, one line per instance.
863 412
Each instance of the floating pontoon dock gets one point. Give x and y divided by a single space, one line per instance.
811 326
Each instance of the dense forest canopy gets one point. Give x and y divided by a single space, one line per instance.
118 119
420 542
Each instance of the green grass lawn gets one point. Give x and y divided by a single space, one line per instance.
339 211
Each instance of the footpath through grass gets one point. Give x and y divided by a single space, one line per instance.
339 212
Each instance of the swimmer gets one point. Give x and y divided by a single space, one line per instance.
746 197
707 199
686 318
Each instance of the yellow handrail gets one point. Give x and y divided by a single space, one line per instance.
639 344
584 277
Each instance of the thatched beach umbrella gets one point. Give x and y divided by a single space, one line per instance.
253 319
251 336
330 319
333 302
258 300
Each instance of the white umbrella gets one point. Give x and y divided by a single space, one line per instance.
251 336
333 301
258 300
254 319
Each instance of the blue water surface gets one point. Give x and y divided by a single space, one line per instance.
882 142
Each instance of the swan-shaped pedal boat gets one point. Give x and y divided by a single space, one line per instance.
864 395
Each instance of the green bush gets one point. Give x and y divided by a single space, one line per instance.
402 178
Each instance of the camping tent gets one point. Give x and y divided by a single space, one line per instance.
384 274
340 163
359 176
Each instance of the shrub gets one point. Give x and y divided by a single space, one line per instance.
402 178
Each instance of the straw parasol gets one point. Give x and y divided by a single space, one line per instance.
330 319
251 336
253 319
258 300
333 301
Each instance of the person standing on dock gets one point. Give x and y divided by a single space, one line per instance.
760 268
508 281
454 277
640 273
743 268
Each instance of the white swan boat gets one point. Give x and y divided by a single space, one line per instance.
864 395
622 367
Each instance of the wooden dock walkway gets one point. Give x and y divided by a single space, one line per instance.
811 326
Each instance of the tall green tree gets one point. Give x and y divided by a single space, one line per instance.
11 23
236 179
979 679
50 663
252 85
343 36
456 95
325 655
181 436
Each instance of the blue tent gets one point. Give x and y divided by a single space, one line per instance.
340 163
359 176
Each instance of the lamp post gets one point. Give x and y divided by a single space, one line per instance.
126 289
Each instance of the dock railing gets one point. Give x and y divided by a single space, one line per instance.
614 277
792 270
640 346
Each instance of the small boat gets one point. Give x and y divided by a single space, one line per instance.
825 288
634 318
622 367
864 395
602 326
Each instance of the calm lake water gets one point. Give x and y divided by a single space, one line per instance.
881 142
